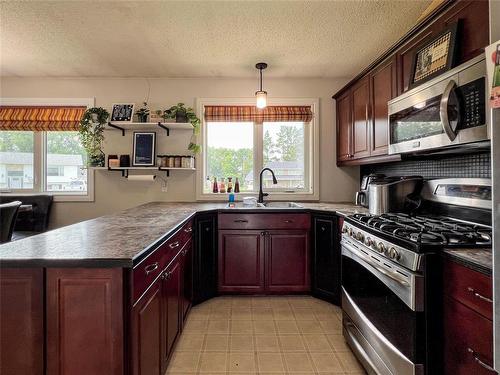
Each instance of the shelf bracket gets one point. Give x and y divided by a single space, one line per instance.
117 127
164 127
124 171
167 171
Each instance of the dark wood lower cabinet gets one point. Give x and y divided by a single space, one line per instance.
21 321
172 300
205 257
84 309
326 258
241 261
287 261
187 278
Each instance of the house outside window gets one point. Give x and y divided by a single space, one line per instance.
234 148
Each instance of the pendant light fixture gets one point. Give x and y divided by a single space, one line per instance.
261 96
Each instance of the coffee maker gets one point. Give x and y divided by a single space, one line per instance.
362 194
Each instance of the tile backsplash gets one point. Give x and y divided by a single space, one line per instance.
477 165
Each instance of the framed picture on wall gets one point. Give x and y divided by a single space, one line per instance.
144 149
435 57
122 112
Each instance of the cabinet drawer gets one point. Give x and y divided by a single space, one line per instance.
468 340
264 221
472 288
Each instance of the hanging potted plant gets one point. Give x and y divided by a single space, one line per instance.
92 134
143 113
183 114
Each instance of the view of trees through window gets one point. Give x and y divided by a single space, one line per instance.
230 153
64 161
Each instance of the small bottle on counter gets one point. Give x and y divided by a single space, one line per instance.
215 187
229 184
208 184
222 186
236 186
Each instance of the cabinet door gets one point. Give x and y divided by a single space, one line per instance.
383 89
205 258
241 261
187 278
84 311
21 321
287 261
361 118
147 332
344 127
468 340
172 307
326 259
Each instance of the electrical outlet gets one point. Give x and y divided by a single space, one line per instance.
164 186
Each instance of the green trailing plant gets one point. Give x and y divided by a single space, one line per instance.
143 112
92 134
183 114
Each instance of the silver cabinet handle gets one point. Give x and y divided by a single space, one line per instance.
288 221
166 275
479 362
241 221
174 245
151 268
477 295
188 230
443 110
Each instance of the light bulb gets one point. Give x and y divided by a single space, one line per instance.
261 99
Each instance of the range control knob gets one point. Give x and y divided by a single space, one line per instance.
344 229
349 232
380 247
360 236
394 254
368 241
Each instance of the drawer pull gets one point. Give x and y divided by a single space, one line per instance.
477 295
479 362
188 230
241 221
288 221
174 245
166 275
151 268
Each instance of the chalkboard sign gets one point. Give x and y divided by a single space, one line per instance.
144 149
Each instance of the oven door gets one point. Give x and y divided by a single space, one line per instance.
386 334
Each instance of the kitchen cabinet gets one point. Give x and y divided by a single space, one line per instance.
187 278
326 258
205 257
241 261
467 317
263 253
287 261
21 321
361 105
172 298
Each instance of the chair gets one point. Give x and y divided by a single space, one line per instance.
8 216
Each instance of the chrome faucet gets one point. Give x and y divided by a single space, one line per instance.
261 194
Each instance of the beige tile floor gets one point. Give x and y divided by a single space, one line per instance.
263 335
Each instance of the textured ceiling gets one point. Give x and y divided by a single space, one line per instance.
198 38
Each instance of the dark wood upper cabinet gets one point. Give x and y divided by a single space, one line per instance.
241 261
84 312
344 127
325 258
287 261
21 321
383 89
361 118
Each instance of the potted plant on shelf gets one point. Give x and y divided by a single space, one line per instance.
143 113
183 114
92 134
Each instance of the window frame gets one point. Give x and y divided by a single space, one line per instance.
311 158
40 155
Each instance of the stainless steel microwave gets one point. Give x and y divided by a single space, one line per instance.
448 111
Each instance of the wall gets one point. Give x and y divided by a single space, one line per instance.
113 193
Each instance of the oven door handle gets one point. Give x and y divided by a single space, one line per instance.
371 263
349 327
443 110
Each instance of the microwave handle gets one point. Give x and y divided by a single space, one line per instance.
443 110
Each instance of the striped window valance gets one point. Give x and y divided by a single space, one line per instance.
41 118
252 113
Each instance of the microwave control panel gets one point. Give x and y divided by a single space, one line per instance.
473 103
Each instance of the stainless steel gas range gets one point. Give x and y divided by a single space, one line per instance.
391 282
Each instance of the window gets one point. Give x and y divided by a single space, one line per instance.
240 149
43 161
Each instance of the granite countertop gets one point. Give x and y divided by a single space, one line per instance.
477 259
122 238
